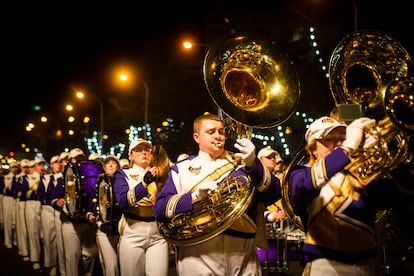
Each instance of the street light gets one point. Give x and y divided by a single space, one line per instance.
81 95
124 77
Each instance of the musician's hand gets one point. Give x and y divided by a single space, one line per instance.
203 190
60 202
355 132
91 217
247 151
371 138
149 177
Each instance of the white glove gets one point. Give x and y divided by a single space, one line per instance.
203 190
355 132
370 139
247 151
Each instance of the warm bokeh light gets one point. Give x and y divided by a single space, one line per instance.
80 94
187 44
123 77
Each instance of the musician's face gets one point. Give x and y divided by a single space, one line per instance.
141 155
211 138
110 167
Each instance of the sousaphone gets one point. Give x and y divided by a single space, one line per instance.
255 85
373 70
251 80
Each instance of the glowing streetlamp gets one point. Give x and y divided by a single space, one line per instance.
124 77
81 95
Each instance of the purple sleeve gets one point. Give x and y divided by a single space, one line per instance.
301 186
58 192
41 192
121 188
272 192
183 205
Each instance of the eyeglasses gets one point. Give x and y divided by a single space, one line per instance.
271 157
142 150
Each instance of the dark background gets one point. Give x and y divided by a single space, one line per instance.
51 50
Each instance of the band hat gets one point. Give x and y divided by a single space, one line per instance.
54 159
182 156
94 156
40 160
267 151
32 163
13 164
111 157
124 163
24 163
75 153
137 142
64 155
320 128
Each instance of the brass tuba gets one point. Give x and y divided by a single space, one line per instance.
251 80
372 70
255 85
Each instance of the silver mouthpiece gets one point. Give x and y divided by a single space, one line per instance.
218 144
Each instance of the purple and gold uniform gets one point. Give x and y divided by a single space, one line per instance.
176 197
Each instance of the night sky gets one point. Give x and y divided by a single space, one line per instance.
49 51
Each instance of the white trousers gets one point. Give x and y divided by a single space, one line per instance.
32 214
59 243
107 254
21 229
80 248
328 267
142 249
47 219
223 255
9 216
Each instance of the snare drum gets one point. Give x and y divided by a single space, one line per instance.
269 258
80 184
108 209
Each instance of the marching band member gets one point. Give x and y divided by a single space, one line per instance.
33 210
272 160
9 206
142 249
47 214
233 252
78 234
57 201
106 226
337 210
18 186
